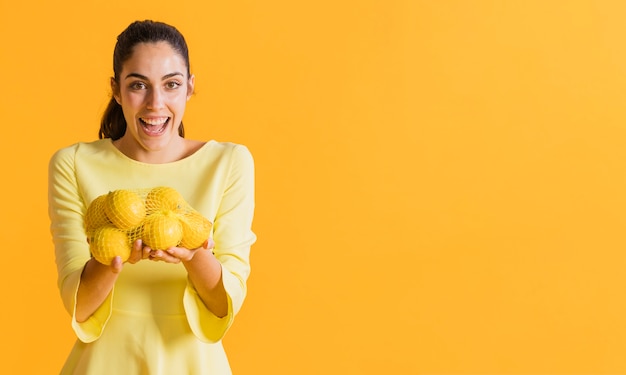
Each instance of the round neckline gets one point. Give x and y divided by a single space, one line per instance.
123 156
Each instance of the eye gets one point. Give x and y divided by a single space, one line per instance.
172 84
137 85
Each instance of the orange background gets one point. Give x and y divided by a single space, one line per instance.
441 185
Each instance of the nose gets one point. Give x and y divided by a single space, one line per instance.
156 99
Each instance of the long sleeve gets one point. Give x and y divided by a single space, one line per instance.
233 237
66 209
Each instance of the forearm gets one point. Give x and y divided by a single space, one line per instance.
96 282
205 273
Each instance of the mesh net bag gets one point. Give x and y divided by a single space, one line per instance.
159 216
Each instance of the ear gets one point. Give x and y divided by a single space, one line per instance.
190 84
115 88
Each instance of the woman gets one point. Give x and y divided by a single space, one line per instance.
160 312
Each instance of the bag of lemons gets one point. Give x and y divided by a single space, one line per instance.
160 216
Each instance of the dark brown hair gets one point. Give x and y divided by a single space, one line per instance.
113 123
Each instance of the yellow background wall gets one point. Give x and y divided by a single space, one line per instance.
441 185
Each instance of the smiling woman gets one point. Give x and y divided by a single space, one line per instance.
161 311
151 84
153 90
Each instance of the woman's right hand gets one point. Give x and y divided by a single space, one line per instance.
138 252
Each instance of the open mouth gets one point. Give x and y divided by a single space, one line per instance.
154 125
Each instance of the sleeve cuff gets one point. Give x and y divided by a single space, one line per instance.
205 325
91 329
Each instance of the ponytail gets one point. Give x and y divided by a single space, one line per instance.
113 123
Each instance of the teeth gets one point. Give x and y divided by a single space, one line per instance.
155 121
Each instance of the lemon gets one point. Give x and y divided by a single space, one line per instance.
135 233
124 208
95 216
164 197
196 229
161 230
107 242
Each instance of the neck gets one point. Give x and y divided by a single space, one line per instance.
172 151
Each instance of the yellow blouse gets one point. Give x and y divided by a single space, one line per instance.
153 322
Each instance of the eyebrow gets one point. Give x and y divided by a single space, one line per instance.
140 76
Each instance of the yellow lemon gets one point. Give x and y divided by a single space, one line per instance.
107 242
124 208
164 197
95 216
196 229
135 233
161 230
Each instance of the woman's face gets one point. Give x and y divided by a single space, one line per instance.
153 92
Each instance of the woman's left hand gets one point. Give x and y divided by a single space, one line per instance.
179 254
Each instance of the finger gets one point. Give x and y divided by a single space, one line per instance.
171 259
175 254
155 254
117 264
167 256
208 244
137 252
146 252
159 255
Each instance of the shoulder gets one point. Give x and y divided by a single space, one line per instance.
80 147
64 153
232 161
224 146
227 151
67 156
